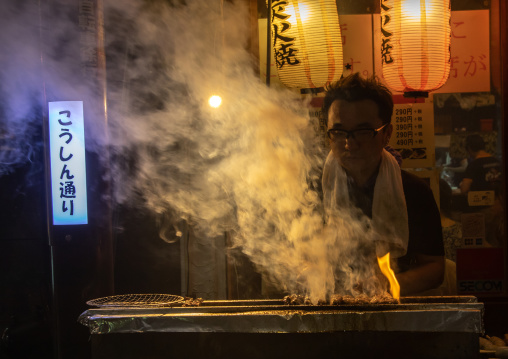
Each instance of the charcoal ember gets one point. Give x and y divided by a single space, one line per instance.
348 299
192 302
293 299
336 299
384 298
322 302
296 299
362 299
358 300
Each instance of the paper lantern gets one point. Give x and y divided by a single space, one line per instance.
306 42
415 44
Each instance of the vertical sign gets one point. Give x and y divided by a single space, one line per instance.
67 158
413 134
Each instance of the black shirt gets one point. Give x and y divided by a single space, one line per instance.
424 221
485 172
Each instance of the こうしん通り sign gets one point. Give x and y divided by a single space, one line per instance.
67 162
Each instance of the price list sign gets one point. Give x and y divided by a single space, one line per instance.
413 134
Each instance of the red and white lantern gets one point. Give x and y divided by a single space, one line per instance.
415 44
306 41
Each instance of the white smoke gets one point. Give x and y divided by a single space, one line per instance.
19 83
249 167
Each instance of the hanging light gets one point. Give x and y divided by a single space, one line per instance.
306 41
415 45
215 101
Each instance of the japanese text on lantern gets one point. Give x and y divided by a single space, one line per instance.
285 51
67 157
386 36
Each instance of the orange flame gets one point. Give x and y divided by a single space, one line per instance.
384 264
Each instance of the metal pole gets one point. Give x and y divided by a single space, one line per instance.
268 41
82 262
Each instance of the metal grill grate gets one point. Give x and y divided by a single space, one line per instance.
136 300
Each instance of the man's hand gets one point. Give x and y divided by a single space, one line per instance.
427 273
465 185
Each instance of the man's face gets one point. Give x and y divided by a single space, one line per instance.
361 155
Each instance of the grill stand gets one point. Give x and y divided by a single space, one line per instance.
435 327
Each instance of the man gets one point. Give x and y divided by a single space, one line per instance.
484 172
401 205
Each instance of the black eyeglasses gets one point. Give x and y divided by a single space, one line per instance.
360 135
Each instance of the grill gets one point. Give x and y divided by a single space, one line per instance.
418 327
136 300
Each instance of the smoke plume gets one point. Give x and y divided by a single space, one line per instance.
249 167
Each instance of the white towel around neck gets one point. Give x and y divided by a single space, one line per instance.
389 212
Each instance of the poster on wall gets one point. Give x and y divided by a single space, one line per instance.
469 65
356 32
413 134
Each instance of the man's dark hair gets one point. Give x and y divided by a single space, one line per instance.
475 143
356 88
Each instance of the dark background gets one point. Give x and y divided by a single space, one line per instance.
27 306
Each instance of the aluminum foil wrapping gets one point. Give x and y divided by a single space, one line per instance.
464 316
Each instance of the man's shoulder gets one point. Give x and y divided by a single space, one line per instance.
416 189
420 200
480 164
487 160
413 181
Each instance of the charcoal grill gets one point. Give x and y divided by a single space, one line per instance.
418 327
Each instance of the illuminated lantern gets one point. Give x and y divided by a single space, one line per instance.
306 42
415 45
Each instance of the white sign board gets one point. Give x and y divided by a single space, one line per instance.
413 134
67 158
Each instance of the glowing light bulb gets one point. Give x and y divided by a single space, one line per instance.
303 13
412 11
215 101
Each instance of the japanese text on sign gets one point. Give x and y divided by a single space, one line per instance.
469 65
412 135
67 157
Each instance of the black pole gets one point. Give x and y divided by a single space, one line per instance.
268 41
82 261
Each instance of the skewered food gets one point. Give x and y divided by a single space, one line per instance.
336 299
